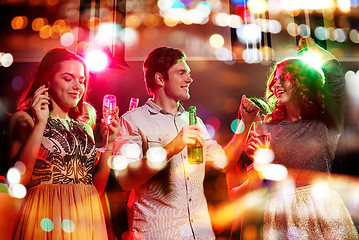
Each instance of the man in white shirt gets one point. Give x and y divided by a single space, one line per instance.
168 200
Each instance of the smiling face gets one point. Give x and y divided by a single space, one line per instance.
68 85
283 87
179 79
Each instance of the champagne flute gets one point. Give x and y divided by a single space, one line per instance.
263 155
133 103
108 112
261 129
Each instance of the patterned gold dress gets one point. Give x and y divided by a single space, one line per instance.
62 202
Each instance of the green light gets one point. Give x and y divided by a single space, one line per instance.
235 128
47 225
68 225
314 60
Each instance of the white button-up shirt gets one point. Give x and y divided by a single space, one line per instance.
172 204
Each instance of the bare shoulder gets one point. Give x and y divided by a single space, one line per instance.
20 126
21 119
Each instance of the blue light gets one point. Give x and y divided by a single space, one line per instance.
354 3
205 4
321 33
250 33
17 83
210 130
239 2
178 4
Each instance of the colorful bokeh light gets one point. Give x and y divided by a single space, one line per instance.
96 60
68 225
47 225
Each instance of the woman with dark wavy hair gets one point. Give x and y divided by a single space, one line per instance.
306 119
59 154
307 85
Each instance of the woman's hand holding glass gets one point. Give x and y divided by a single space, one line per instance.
110 122
109 129
259 139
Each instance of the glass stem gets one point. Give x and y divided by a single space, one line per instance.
106 141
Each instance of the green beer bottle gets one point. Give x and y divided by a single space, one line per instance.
195 152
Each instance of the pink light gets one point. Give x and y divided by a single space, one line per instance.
214 122
96 60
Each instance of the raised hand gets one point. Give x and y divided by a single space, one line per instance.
308 45
247 110
40 104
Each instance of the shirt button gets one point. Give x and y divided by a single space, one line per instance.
192 220
187 178
190 199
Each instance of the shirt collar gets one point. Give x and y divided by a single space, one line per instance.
155 109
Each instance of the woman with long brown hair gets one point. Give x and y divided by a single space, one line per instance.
59 154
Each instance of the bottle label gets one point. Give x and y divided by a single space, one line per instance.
195 154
